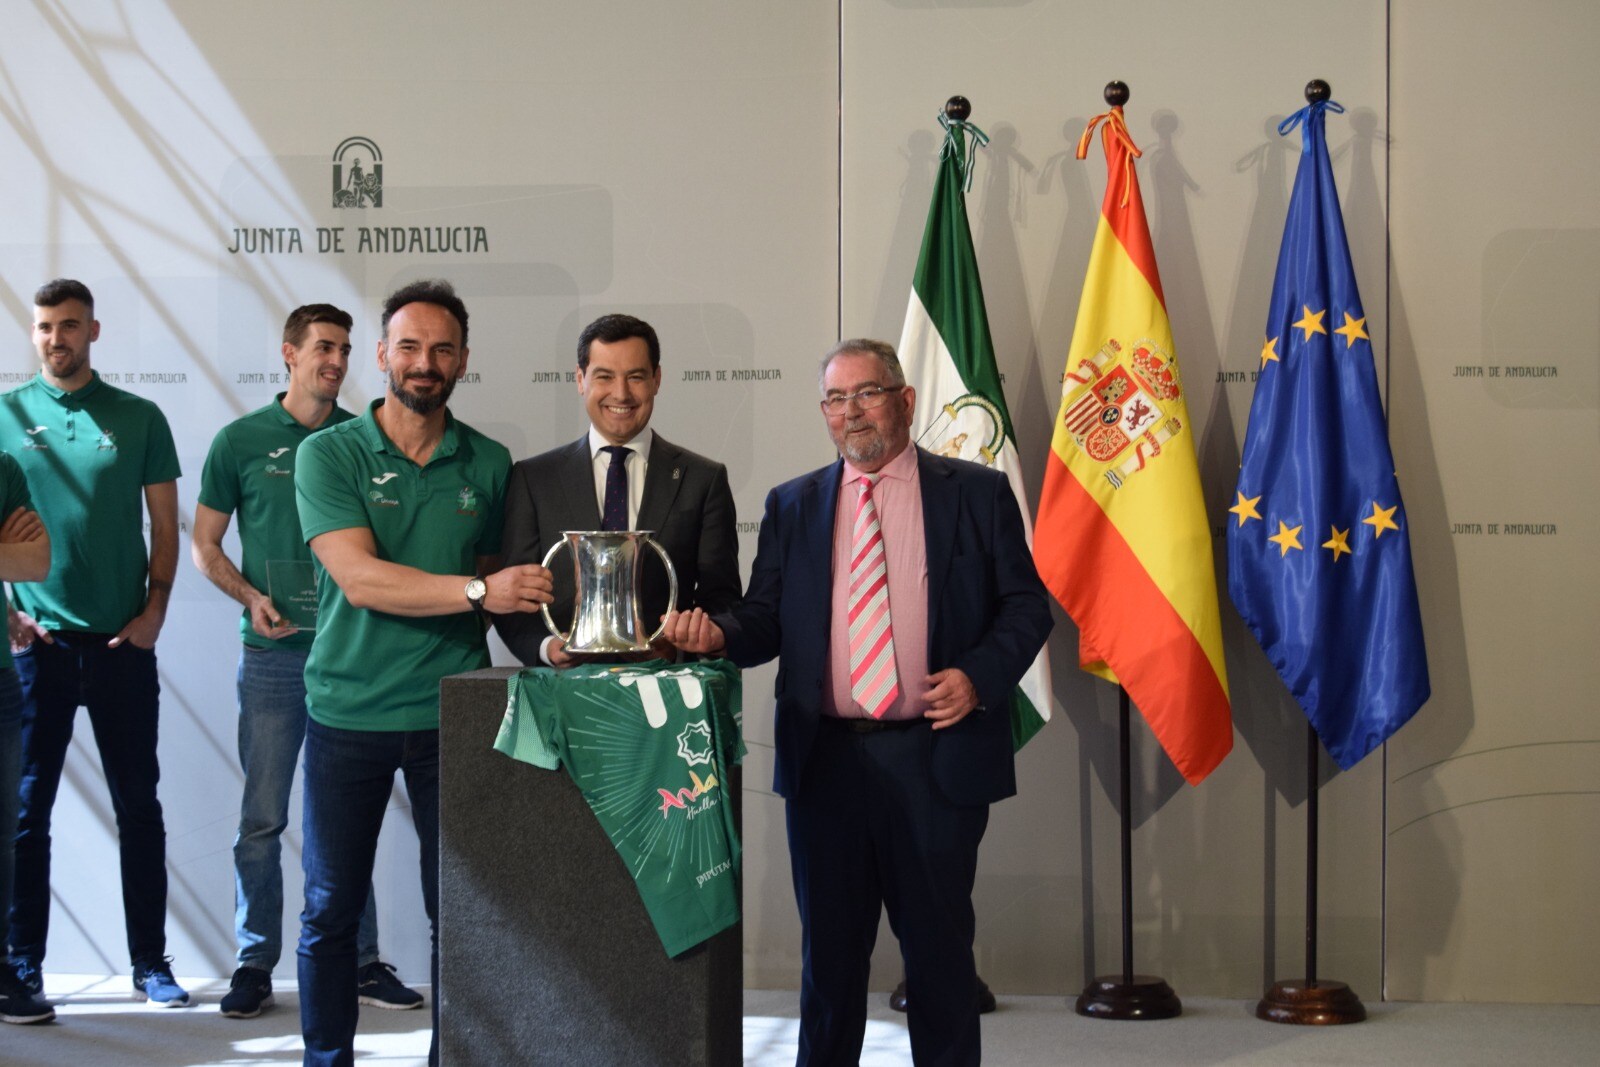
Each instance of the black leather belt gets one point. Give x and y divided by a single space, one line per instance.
872 726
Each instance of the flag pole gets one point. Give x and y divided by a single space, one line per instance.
1311 1002
1127 995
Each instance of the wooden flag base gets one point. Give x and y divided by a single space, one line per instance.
1303 1003
1114 996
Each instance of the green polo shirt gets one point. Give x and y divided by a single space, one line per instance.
369 670
13 495
250 470
88 456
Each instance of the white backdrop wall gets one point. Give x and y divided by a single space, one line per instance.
753 178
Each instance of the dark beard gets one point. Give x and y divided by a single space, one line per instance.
421 405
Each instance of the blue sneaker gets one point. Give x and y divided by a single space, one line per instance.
154 982
29 976
378 986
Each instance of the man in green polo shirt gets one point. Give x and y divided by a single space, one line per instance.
97 459
402 509
250 470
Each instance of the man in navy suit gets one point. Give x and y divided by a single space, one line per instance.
893 731
621 475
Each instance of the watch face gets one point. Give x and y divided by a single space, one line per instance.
476 590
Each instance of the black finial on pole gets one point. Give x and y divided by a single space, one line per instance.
958 108
1318 91
1116 93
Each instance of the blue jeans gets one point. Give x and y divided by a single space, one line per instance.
348 777
10 780
120 688
272 724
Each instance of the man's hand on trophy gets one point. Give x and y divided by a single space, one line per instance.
520 588
693 631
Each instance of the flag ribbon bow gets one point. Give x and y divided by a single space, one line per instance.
1114 129
1304 115
953 129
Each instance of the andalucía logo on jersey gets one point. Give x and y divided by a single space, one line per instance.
970 427
1118 409
466 501
355 185
695 746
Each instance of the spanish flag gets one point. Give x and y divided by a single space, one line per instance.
1121 538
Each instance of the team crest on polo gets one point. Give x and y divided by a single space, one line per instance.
107 442
970 427
357 174
1119 407
467 501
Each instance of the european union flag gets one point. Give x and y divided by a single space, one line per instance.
1319 561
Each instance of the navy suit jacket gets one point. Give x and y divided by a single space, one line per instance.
988 614
686 502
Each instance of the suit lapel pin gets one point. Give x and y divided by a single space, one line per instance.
676 471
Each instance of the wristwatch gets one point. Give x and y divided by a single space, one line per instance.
476 591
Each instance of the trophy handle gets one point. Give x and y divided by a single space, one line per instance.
672 585
544 609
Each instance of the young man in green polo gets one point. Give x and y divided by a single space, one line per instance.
402 508
250 470
97 459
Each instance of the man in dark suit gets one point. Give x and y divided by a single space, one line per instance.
621 475
897 589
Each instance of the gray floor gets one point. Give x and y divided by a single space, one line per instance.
100 1026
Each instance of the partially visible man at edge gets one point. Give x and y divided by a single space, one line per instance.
24 557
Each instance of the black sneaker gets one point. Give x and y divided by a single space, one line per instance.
249 994
17 1005
29 976
154 982
380 988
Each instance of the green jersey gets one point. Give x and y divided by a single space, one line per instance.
369 670
649 745
13 495
250 470
88 456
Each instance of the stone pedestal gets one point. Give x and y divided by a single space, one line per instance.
546 951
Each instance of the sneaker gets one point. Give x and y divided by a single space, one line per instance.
29 976
154 982
249 994
380 988
17 1005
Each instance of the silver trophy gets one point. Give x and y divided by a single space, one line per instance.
606 566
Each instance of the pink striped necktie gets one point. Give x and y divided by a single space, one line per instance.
873 681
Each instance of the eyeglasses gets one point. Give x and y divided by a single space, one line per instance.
872 397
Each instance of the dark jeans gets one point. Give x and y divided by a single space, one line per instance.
10 779
120 689
348 777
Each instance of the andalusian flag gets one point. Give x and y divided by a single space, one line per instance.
1319 559
949 360
1122 539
